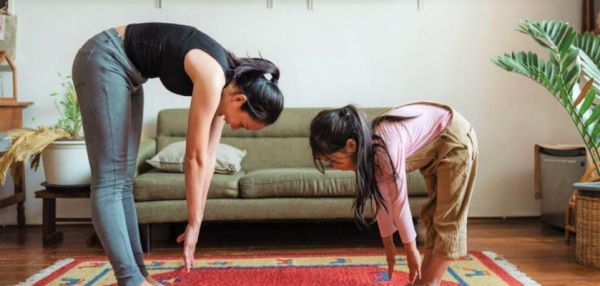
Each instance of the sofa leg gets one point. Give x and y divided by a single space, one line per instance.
421 231
145 237
172 231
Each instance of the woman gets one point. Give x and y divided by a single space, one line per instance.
427 136
108 73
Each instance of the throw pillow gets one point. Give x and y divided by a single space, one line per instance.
170 159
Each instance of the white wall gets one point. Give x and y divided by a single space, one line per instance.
372 53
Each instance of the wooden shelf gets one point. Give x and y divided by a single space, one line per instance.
11 114
12 103
11 117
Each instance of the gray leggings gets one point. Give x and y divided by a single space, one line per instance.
110 94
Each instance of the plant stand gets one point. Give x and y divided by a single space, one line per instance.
49 233
570 224
590 175
587 246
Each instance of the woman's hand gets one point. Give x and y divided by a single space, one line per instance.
413 258
189 239
390 253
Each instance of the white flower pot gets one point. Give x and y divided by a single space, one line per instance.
66 163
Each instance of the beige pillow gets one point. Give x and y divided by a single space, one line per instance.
170 159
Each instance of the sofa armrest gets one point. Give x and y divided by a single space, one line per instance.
147 150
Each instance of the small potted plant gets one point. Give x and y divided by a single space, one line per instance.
61 147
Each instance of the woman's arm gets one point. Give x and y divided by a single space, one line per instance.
203 132
215 135
202 137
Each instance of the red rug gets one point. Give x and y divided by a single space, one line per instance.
478 268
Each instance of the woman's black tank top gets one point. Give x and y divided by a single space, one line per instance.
158 50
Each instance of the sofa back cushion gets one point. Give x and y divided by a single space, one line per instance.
283 144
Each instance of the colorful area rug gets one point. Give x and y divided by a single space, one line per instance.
478 268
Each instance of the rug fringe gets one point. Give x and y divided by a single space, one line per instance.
45 272
511 269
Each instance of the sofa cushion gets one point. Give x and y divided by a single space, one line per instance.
155 185
416 184
309 182
260 209
296 182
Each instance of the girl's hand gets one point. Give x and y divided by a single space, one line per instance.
390 253
413 258
189 239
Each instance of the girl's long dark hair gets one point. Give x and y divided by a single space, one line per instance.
330 130
264 98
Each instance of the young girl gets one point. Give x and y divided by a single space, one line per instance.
108 73
428 136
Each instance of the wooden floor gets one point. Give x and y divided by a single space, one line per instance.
538 251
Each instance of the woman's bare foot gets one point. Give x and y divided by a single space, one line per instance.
153 282
145 283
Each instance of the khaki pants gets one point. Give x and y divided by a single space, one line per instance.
448 166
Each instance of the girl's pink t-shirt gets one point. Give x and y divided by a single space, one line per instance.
402 140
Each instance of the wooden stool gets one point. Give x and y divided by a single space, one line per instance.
49 233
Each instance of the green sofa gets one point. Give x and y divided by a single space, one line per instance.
278 180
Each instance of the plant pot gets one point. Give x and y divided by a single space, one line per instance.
66 163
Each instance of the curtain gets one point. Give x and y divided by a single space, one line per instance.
588 17
590 10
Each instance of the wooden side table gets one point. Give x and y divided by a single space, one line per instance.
11 118
49 233
17 172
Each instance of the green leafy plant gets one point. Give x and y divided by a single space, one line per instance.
70 116
570 73
28 143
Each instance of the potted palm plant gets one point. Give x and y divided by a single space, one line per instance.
570 73
61 146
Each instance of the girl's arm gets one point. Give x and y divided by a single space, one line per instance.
395 213
394 191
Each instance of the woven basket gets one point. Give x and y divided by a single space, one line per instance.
587 246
